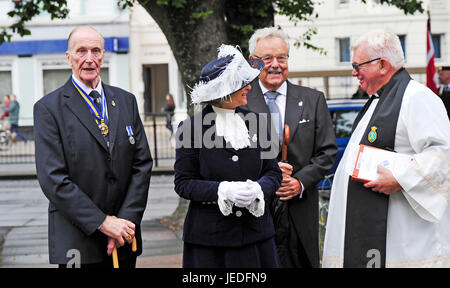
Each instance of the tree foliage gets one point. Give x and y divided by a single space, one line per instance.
24 11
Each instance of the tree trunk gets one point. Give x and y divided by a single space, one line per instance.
194 41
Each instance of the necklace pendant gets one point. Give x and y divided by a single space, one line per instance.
103 128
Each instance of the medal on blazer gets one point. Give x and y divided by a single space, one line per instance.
103 128
100 115
130 135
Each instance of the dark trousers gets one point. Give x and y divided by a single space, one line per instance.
290 248
262 254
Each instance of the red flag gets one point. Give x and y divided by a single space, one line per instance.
432 76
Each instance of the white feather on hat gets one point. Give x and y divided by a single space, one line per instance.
237 74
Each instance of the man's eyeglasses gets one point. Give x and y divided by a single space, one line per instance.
356 66
269 59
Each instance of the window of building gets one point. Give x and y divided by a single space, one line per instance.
437 45
344 50
5 84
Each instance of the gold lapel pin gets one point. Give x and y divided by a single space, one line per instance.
113 103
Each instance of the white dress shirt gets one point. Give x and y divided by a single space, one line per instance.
281 103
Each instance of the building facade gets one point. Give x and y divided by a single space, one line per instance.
341 22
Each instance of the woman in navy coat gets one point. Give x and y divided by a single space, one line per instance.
222 169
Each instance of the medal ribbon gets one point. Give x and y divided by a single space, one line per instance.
130 132
100 115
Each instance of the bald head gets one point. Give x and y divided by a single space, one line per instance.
82 30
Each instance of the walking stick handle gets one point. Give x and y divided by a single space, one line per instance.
286 137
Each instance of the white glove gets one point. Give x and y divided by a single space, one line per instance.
257 205
225 205
242 193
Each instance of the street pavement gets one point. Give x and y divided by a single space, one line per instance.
23 224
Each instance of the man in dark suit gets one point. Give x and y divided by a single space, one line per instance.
311 151
93 161
444 89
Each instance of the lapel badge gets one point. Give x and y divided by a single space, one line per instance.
372 134
113 103
254 138
300 103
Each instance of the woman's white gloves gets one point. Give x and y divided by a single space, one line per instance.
246 194
242 194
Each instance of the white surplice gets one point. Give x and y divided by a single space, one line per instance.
418 223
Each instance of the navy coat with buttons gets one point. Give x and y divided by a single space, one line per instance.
200 167
83 178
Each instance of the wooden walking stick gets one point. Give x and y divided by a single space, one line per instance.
286 137
116 258
278 206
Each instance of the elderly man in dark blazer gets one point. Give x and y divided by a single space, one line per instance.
93 161
311 151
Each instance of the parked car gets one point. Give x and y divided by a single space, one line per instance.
343 113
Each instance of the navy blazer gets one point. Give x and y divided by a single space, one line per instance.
199 169
82 177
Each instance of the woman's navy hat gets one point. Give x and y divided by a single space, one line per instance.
223 76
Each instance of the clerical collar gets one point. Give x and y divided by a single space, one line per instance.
87 89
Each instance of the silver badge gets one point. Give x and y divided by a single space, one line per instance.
131 140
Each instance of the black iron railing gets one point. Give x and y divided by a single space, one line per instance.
160 139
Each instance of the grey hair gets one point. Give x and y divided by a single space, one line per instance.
383 44
268 32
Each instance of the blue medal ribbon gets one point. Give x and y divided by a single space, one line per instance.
130 135
130 132
100 115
